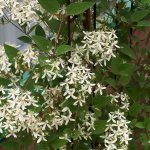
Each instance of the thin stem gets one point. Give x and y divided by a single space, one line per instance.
94 16
131 29
69 26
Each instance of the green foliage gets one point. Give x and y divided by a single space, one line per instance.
11 52
50 6
128 72
125 49
100 126
25 39
78 8
63 49
139 15
43 44
9 144
4 81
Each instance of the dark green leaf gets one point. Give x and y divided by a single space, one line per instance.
39 31
44 44
124 80
135 109
9 144
50 6
127 51
4 81
25 39
100 126
139 15
101 101
78 7
111 82
11 52
122 68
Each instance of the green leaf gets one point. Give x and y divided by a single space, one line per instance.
4 81
39 31
101 101
25 39
124 80
11 52
127 51
9 144
50 6
122 68
44 44
147 123
111 82
57 143
143 23
63 49
42 60
139 15
135 109
140 125
146 1
25 140
78 7
100 126
25 77
42 146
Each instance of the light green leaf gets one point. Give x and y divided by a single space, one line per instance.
143 23
78 7
50 6
57 143
11 52
140 125
63 49
44 44
145 1
25 77
42 146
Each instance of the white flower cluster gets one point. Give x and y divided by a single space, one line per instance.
17 114
121 99
21 11
53 69
29 56
52 96
4 62
87 126
101 45
117 135
78 83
